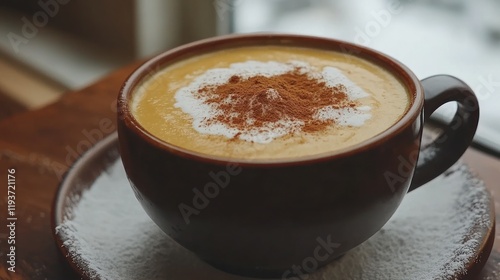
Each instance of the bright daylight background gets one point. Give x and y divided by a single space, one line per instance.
456 37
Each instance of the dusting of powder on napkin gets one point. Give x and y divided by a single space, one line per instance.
112 237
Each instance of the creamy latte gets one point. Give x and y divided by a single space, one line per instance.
269 102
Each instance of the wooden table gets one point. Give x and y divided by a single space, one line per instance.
40 145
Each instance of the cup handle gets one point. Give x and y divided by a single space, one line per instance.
456 137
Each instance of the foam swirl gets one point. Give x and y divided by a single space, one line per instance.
205 113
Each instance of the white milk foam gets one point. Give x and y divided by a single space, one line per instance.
188 99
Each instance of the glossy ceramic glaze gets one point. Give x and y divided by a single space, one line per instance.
259 218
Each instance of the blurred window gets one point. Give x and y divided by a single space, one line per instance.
456 37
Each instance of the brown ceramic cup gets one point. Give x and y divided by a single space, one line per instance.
285 218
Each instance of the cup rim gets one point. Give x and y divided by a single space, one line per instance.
396 68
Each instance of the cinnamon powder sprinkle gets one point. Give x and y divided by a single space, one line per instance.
261 102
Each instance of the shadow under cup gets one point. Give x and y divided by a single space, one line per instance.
284 218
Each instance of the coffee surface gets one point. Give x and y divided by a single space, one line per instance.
269 102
